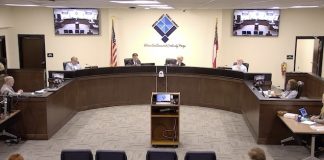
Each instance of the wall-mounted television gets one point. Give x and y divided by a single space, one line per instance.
76 21
256 22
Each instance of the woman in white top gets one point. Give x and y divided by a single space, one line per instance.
291 90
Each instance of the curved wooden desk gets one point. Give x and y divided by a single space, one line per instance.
206 87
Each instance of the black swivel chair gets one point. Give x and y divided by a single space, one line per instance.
161 155
77 154
127 61
300 86
110 155
245 64
170 62
64 65
200 155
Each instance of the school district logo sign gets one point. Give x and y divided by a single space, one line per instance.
165 26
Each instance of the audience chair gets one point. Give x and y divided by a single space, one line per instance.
300 88
77 154
161 155
200 155
110 155
127 61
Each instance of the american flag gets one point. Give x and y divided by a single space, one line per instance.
113 49
215 47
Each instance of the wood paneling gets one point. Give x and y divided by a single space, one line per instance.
42 116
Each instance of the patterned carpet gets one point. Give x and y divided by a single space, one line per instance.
128 128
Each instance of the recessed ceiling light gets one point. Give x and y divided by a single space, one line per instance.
56 7
274 8
303 7
167 7
153 5
22 5
136 2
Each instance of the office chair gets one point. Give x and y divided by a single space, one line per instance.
200 155
161 155
64 65
127 61
300 86
110 155
77 154
170 62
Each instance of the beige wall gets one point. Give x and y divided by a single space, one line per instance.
266 54
196 31
134 28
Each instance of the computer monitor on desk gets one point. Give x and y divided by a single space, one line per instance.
163 98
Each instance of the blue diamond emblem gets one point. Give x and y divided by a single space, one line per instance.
165 27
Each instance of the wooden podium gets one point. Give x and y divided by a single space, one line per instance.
165 119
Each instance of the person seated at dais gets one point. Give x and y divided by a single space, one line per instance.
291 90
73 65
180 61
7 89
135 61
239 66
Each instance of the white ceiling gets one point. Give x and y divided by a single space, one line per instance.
177 4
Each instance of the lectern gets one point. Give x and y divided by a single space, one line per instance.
165 111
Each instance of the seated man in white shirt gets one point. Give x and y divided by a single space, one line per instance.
239 66
73 65
7 89
180 61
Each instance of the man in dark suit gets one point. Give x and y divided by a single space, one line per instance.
135 61
179 61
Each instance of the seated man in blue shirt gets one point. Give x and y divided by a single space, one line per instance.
73 65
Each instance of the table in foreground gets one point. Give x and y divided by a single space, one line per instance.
300 128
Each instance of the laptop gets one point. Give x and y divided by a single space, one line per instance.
163 98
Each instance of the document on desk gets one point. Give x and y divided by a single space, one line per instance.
308 122
317 128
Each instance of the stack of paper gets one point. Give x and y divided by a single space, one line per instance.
290 115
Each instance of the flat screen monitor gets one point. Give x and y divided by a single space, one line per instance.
256 22
258 80
76 21
58 75
163 97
